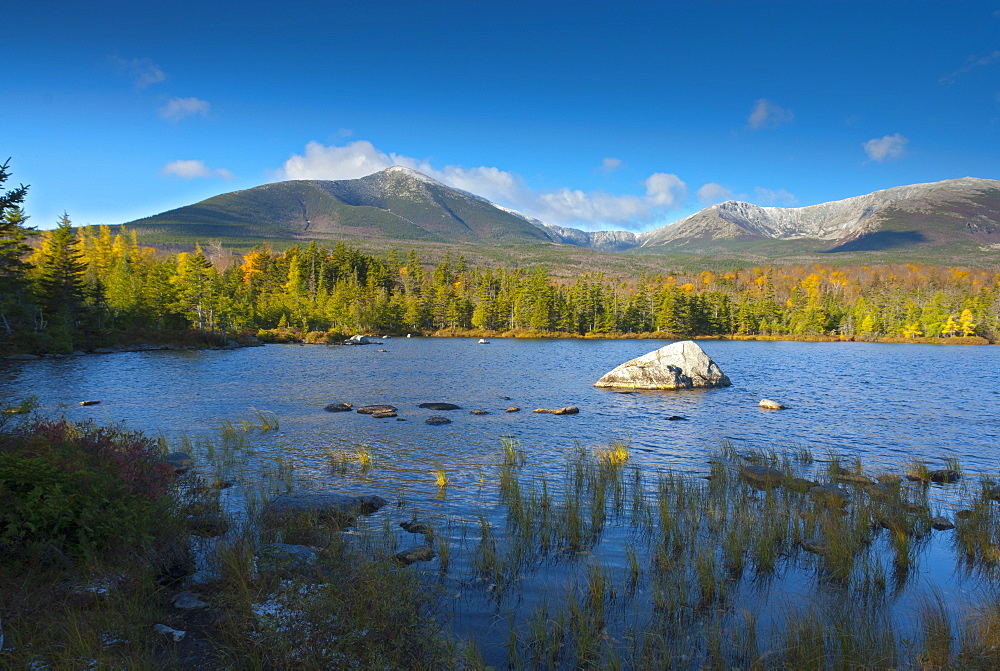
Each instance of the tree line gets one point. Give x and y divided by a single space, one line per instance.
69 286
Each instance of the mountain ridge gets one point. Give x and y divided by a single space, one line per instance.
400 203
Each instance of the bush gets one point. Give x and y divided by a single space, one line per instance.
79 491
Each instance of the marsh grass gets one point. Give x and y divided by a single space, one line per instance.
657 570
365 459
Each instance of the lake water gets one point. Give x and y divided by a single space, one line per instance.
886 404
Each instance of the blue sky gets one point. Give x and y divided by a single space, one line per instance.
614 115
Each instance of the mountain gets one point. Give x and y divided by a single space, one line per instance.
394 204
962 212
956 219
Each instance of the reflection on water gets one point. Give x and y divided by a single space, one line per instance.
886 404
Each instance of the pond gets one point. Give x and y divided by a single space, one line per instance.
886 405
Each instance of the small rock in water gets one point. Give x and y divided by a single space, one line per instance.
175 634
372 409
674 418
435 421
829 494
941 524
569 410
515 409
339 407
814 545
383 414
963 514
89 402
223 484
762 475
478 412
768 404
415 527
415 554
853 478
945 476
506 398
439 406
382 350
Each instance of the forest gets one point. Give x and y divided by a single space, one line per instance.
71 288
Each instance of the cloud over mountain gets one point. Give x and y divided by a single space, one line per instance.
887 147
663 191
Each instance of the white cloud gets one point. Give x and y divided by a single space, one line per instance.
886 147
179 108
766 114
774 197
143 71
665 190
609 165
193 170
353 160
559 206
712 193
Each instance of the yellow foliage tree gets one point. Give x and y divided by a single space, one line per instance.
968 328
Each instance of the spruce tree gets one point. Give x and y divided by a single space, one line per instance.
60 280
13 248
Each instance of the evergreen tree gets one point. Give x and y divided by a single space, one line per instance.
13 248
60 273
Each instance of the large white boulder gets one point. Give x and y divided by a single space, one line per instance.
682 365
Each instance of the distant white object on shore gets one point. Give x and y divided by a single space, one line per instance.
484 341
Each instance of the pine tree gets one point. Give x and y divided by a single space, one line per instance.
60 275
13 248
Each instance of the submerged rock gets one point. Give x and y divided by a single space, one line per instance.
439 406
830 494
339 508
384 414
941 524
180 461
415 527
415 554
89 402
569 410
339 407
762 475
674 418
478 412
435 421
682 365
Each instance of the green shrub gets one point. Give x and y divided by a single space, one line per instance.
79 490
